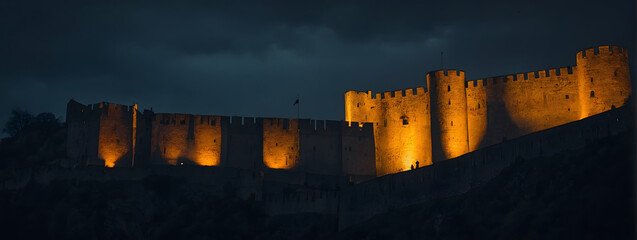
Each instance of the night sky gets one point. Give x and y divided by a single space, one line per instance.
254 58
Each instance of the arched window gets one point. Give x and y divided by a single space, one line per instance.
448 88
592 93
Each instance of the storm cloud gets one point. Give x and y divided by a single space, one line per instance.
254 58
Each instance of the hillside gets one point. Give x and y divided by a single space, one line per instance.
584 194
588 194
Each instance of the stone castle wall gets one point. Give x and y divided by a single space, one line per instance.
459 116
455 176
402 123
119 136
415 127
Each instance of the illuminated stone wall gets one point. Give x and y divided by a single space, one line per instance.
280 143
116 135
186 139
476 112
169 138
520 104
206 148
401 126
604 79
469 115
449 131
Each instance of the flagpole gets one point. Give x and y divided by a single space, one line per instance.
298 107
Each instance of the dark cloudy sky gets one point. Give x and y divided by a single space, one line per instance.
253 58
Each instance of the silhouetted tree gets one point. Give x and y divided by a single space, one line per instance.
18 121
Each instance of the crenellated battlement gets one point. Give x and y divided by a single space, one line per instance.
408 92
387 132
455 109
172 118
516 77
357 128
308 126
602 50
445 72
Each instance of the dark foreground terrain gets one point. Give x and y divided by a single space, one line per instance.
586 194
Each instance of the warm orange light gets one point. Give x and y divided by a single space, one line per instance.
111 154
206 150
193 138
115 137
109 163
280 143
401 126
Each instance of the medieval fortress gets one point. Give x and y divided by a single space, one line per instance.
383 133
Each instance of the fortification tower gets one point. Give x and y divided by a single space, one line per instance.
603 79
449 130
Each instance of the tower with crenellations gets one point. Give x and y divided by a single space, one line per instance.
452 116
383 133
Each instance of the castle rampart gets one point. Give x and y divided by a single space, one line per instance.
242 142
491 110
446 118
362 201
97 132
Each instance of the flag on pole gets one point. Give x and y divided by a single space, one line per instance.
296 102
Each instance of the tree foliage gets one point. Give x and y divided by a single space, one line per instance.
22 120
19 120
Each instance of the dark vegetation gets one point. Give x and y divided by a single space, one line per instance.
585 194
33 140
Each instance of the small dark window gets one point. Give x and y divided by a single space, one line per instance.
592 93
569 109
358 105
452 123
182 122
591 79
292 148
449 101
478 106
405 121
385 122
214 140
276 144
448 88
566 96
